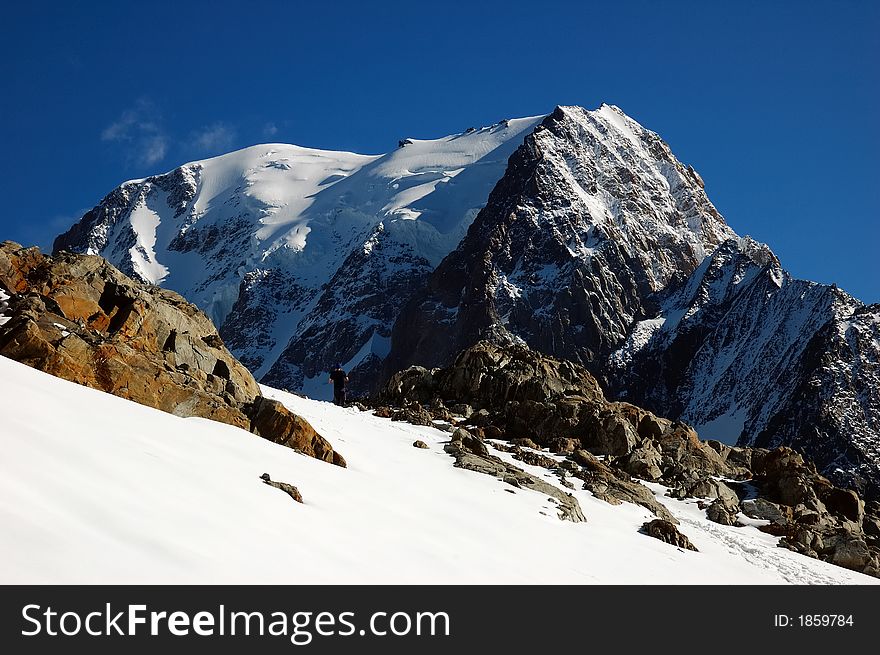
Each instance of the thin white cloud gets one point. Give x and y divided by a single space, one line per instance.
153 149
214 138
120 130
139 129
270 129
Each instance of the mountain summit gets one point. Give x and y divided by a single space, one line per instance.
593 218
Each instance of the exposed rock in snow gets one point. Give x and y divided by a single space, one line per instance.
77 489
522 392
667 532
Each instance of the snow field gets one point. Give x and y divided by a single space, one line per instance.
98 489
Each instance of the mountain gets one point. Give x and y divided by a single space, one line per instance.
598 246
135 495
302 257
579 234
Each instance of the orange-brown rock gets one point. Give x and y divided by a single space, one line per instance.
78 318
276 423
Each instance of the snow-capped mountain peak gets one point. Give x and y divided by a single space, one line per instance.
254 237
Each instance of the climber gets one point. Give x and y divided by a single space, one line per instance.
339 380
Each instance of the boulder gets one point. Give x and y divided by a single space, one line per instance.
469 442
762 509
642 462
414 413
703 487
786 477
535 459
666 531
852 554
480 418
606 484
414 384
494 375
563 445
723 511
586 459
525 442
615 436
462 409
845 503
419 444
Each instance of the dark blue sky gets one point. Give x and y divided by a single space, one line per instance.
776 104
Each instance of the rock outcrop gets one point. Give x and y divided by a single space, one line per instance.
666 531
78 318
524 394
533 401
286 487
472 454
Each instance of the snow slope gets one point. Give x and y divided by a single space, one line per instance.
102 490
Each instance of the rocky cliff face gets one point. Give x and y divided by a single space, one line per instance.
600 247
356 309
495 394
592 219
746 353
76 317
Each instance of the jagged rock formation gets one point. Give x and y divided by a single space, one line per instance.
593 216
535 401
598 246
746 353
77 317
